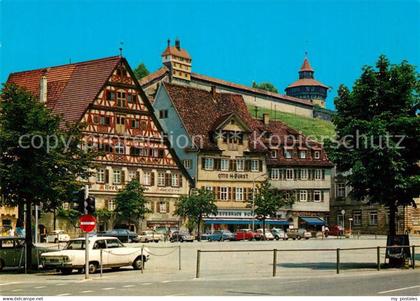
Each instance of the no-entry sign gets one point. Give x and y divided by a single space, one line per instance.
87 223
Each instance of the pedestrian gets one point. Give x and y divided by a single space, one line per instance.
11 232
326 231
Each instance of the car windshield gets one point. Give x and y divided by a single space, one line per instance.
76 245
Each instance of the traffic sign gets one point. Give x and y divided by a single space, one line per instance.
87 223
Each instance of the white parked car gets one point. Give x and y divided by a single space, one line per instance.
57 236
114 255
268 234
150 235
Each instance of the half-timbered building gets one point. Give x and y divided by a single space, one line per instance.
119 119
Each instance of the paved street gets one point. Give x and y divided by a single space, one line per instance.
248 273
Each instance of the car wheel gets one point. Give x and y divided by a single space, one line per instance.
137 263
156 241
181 240
277 237
294 238
66 271
93 267
298 237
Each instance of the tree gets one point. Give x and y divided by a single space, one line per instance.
40 156
199 204
131 203
268 201
378 134
265 86
141 71
103 215
71 215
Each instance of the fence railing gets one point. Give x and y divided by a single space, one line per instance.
338 252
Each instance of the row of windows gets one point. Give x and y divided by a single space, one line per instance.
289 154
231 165
121 98
165 179
120 149
309 195
154 207
357 218
120 121
225 193
289 174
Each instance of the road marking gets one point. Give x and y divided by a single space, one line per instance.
9 283
84 292
399 289
37 287
65 294
130 285
108 288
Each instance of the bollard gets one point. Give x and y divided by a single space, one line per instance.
378 258
142 259
274 262
197 271
101 261
338 260
413 260
179 257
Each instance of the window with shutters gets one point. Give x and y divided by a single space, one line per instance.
224 164
287 154
318 174
240 165
175 180
239 195
255 165
304 174
100 175
303 195
208 163
289 174
224 193
117 176
147 178
317 196
275 174
161 179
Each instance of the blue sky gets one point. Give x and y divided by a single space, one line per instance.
240 41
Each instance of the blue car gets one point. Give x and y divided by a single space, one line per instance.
221 236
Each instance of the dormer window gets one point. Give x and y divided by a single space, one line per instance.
302 155
232 137
287 154
317 155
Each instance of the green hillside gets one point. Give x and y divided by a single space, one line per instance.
314 127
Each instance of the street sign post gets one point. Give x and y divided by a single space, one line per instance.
87 224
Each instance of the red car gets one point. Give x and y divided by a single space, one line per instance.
335 230
244 234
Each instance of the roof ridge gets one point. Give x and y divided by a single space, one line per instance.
71 64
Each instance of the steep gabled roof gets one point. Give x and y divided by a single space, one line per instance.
307 82
306 66
202 111
70 88
173 50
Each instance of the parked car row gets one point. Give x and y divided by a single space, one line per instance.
259 234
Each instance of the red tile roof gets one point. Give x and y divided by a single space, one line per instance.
160 73
172 50
199 109
70 88
306 82
306 66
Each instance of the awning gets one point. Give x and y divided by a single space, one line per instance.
244 222
313 221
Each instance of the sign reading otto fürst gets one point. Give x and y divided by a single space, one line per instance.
87 223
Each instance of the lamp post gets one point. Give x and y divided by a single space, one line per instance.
350 220
343 212
253 200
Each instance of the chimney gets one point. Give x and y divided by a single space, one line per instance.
178 44
213 91
266 118
43 92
